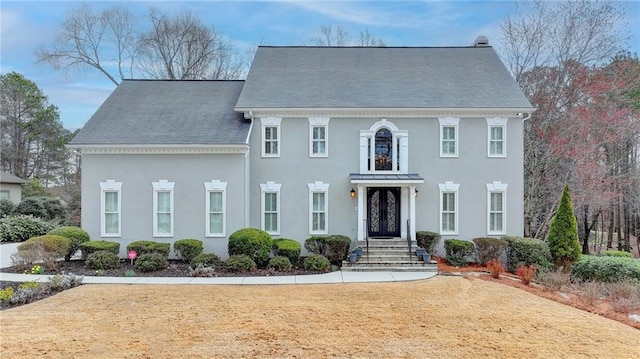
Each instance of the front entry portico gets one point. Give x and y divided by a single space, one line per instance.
386 204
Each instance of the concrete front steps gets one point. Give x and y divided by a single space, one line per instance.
390 255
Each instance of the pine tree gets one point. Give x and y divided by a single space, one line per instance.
563 234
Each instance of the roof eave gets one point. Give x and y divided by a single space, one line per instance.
250 112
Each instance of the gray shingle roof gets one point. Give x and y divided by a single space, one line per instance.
6 177
379 77
168 112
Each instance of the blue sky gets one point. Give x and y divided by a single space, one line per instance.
27 25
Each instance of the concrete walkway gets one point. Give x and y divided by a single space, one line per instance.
334 277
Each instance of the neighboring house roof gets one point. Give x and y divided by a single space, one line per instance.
167 112
379 77
9 178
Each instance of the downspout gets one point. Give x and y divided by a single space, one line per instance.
247 177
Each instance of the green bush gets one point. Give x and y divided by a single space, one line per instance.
144 247
317 262
280 264
102 260
613 253
93 246
6 207
46 208
253 242
149 262
46 248
563 233
75 235
527 251
334 247
239 263
187 249
428 240
288 248
605 269
457 250
207 260
19 228
489 248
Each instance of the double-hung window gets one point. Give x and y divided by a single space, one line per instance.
271 136
496 208
318 136
448 207
318 207
110 208
497 136
4 194
216 203
270 204
449 136
163 208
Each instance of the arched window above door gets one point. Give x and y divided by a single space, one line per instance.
383 148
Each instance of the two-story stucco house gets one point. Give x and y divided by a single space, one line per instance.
360 141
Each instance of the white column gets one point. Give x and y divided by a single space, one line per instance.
364 155
404 213
404 154
361 214
412 211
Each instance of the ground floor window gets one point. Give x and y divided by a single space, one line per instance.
110 208
448 207
318 205
163 208
270 205
496 208
216 198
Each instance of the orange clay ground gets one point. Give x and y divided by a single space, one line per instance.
443 317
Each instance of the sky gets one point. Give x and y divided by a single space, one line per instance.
26 26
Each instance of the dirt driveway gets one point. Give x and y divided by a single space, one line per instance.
450 317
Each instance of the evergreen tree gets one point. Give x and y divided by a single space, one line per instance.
563 234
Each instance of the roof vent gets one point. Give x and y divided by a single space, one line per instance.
481 41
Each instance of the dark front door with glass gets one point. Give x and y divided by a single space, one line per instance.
383 208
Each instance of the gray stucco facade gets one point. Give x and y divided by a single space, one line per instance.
348 167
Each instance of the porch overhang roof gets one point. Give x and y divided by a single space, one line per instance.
386 178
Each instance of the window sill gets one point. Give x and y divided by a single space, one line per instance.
216 235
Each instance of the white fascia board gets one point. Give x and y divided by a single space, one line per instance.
161 149
384 112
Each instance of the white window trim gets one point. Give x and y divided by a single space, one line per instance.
110 186
5 194
269 187
162 186
271 122
449 122
497 122
319 187
497 187
449 187
319 122
215 186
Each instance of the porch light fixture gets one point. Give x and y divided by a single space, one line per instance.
352 193
416 192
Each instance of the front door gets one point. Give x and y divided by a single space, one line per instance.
383 208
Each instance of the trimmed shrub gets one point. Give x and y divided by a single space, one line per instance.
317 262
144 247
239 263
288 248
102 260
19 228
457 250
42 207
428 240
334 247
527 251
149 262
280 264
206 260
489 248
47 248
75 235
605 269
93 246
613 253
6 207
187 249
253 242
563 233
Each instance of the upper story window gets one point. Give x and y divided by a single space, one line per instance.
216 208
497 137
449 136
271 136
318 136
384 148
163 208
110 208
